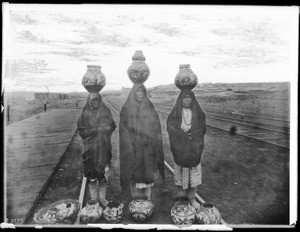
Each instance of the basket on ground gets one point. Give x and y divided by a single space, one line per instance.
59 212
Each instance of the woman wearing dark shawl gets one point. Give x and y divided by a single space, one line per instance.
186 127
95 126
141 150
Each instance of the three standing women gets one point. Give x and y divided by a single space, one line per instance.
141 150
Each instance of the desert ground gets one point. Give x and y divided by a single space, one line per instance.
247 180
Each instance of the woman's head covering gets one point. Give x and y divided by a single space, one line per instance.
93 96
142 88
187 93
197 113
144 111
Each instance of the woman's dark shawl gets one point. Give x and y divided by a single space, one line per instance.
95 127
141 149
187 149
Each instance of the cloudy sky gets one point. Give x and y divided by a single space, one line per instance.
51 45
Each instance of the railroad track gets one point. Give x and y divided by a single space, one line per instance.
272 124
84 180
267 133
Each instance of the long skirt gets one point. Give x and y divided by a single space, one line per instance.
187 177
146 185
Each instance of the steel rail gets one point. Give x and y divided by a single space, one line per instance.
248 116
241 122
81 197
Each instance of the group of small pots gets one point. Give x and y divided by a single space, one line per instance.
184 214
139 209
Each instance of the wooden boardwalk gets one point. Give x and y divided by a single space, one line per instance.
33 148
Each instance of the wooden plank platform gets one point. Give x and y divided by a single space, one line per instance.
33 147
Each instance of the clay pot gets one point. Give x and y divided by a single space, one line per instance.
186 78
138 71
140 209
93 80
183 213
91 213
59 212
208 214
113 213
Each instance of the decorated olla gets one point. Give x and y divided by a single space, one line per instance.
59 212
183 213
141 209
208 214
138 71
91 213
113 213
186 78
93 80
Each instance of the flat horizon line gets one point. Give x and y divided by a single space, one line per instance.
120 89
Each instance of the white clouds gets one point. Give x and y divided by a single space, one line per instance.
216 41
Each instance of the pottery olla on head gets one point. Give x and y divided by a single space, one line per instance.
91 213
208 214
183 213
138 71
113 213
141 209
186 79
93 80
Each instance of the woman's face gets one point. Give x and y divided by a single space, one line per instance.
186 101
95 103
140 95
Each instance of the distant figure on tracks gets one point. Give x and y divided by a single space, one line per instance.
141 147
96 126
186 128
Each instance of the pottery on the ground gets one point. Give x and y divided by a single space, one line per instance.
91 213
59 212
93 80
113 213
183 213
186 78
140 209
208 214
138 71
